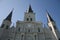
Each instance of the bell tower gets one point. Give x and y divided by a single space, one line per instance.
7 21
52 25
29 15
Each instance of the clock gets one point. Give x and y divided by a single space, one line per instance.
29 25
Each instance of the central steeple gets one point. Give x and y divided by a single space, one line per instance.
30 9
29 15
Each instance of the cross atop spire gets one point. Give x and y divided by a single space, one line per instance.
30 9
9 17
49 17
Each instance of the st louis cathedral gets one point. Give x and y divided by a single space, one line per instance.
29 29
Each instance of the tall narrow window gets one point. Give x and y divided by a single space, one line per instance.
59 38
18 29
2 26
50 28
29 30
38 29
54 27
8 39
35 37
30 19
27 19
22 37
7 27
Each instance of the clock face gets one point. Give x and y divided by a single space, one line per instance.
29 25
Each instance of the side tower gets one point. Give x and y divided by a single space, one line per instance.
29 15
52 26
4 33
7 21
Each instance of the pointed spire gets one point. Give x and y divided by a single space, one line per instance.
30 9
49 18
9 17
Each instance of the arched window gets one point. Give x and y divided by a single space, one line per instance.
54 27
30 19
2 26
21 37
8 39
27 19
7 27
59 38
28 30
50 28
18 29
35 37
38 29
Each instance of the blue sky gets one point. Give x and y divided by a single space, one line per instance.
38 6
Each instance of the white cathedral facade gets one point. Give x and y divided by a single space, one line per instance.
29 29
